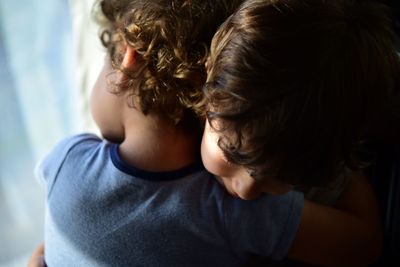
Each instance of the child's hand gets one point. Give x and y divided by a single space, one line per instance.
37 258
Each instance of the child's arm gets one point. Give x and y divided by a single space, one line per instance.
348 235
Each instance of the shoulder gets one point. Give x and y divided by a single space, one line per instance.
63 147
66 145
49 166
75 140
267 225
330 194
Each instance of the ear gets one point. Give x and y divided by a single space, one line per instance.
129 58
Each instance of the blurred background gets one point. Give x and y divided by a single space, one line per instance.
49 58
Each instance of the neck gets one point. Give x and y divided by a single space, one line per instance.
152 144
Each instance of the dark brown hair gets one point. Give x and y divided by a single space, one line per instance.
172 40
295 84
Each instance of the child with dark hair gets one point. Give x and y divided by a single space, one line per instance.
294 90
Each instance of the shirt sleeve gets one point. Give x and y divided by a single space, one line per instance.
266 226
47 169
330 194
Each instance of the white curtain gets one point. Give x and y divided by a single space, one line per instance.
46 71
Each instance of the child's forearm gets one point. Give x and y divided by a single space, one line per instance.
348 235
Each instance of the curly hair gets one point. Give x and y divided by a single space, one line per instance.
294 86
172 40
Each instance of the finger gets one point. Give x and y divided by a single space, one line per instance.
37 257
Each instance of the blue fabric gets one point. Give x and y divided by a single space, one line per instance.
122 166
98 215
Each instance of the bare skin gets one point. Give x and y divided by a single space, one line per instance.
347 235
37 257
353 225
148 142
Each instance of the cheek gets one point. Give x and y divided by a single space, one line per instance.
212 157
98 101
106 109
95 105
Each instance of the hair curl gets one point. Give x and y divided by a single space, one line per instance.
172 41
296 86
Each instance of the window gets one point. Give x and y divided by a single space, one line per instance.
42 99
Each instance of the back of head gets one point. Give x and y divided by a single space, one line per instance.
296 85
171 38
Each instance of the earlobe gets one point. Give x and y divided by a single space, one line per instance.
129 58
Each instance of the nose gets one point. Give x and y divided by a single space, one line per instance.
246 189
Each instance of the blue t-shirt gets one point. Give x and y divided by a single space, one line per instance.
102 212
